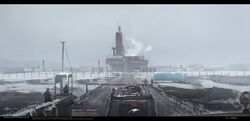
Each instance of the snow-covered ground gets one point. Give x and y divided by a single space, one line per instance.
203 83
180 85
26 87
209 84
18 82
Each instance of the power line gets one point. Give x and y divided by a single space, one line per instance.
68 59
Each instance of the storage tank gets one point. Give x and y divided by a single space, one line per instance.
170 76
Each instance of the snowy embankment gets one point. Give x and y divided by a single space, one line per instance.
35 82
230 80
205 83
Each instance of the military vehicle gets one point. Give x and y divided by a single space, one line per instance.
131 101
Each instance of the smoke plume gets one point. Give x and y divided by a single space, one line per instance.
136 48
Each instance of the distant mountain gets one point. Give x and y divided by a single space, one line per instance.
239 67
4 63
195 67
8 63
233 67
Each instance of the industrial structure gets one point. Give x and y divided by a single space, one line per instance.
121 63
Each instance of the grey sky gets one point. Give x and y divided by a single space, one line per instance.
212 35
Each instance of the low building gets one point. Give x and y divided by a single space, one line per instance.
127 63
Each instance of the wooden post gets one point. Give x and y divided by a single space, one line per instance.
87 88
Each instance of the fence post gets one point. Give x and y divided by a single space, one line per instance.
24 74
87 88
16 74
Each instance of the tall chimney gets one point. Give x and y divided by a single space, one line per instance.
119 43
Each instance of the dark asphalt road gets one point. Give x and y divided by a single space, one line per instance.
164 104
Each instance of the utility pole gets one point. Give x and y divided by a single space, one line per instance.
107 71
98 67
62 53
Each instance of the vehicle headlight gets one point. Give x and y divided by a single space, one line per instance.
245 98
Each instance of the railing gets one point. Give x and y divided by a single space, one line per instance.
201 74
32 111
76 75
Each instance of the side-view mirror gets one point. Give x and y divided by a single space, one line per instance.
245 101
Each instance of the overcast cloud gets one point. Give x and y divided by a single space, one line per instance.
212 35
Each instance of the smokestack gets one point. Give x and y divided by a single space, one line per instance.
119 43
119 28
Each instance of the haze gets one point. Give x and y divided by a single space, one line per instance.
212 35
